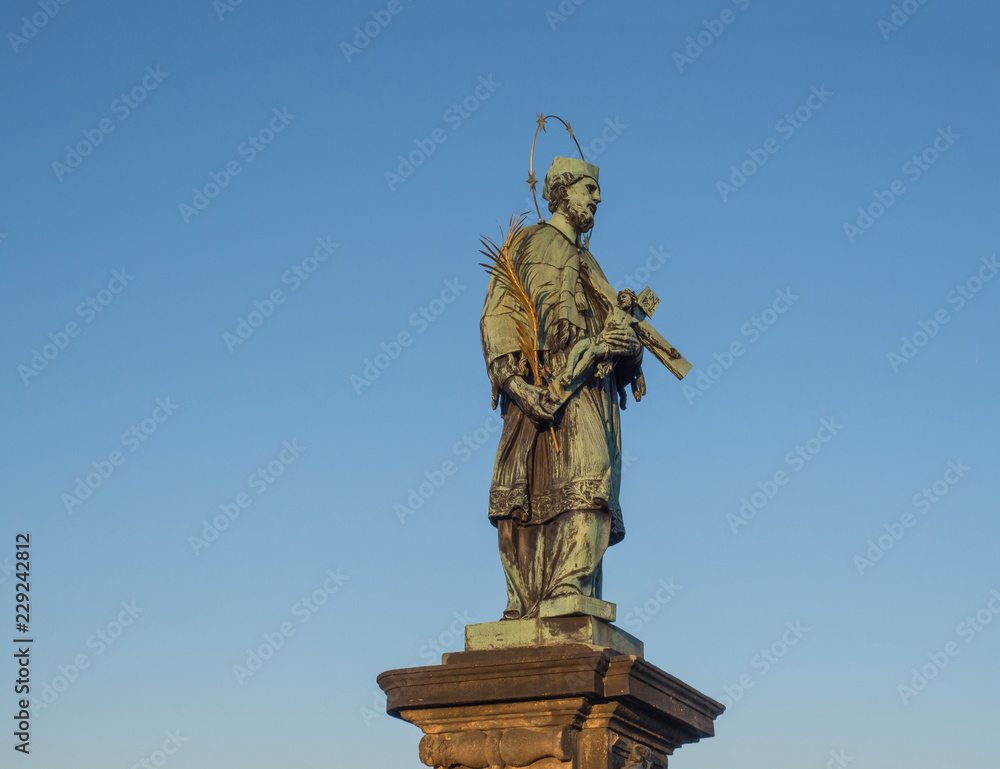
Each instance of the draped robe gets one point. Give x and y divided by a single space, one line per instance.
532 483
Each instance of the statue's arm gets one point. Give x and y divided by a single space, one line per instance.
507 373
618 336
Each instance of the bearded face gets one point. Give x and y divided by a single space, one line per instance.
582 199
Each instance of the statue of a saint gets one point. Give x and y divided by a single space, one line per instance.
554 493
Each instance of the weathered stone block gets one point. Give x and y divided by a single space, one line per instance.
554 707
550 631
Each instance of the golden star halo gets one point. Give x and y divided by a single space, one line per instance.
531 180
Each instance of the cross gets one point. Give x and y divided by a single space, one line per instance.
650 338
562 387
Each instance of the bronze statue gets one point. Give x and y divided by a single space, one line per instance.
554 494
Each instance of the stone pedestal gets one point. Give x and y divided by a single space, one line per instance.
552 706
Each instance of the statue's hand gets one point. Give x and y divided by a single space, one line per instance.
533 401
639 387
621 342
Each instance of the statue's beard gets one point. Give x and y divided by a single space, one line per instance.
580 217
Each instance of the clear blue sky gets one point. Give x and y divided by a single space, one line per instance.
170 175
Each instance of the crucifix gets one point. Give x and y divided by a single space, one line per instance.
651 339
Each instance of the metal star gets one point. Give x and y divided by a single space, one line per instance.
540 121
586 241
568 128
531 180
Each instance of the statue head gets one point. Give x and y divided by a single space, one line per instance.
571 187
627 300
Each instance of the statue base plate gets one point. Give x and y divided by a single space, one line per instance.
577 605
549 631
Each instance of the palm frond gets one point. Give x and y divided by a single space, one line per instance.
514 274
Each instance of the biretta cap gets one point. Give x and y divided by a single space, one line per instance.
560 166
